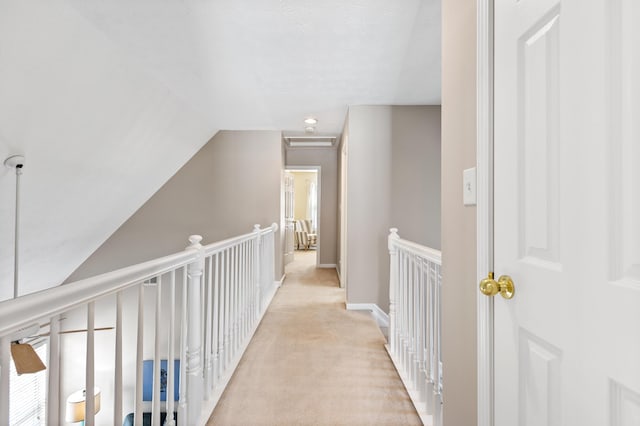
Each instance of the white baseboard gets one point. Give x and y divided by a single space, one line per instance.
327 265
380 316
279 283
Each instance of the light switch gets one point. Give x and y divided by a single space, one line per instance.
469 187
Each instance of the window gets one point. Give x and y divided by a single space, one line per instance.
27 401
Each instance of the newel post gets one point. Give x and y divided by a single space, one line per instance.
393 284
194 385
256 266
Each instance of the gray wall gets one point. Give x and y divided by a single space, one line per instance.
393 180
459 287
415 177
232 183
327 159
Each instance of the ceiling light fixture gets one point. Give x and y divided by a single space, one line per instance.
310 120
309 129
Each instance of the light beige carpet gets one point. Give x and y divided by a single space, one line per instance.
311 362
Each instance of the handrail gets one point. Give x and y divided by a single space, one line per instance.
218 246
420 250
19 312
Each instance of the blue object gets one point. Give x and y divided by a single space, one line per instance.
147 380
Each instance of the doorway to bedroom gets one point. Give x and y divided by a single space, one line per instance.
302 216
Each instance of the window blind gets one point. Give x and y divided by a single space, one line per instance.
29 393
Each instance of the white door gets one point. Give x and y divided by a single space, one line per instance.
567 212
289 222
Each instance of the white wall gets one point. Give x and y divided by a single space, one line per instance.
393 180
327 159
100 135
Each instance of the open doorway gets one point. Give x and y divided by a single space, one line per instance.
303 216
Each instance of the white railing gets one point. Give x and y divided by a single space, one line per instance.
414 323
205 303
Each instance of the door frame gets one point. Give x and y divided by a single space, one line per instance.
318 170
484 208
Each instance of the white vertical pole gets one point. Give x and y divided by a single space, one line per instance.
139 357
416 319
245 289
216 321
89 414
194 363
412 316
182 404
171 352
235 309
208 361
53 377
429 363
393 284
422 386
155 398
16 241
223 312
5 360
256 266
117 404
232 303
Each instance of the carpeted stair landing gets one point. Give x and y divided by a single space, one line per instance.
311 362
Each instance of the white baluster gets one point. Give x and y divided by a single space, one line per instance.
155 398
417 327
139 357
53 368
405 314
208 360
430 337
216 321
412 319
422 385
232 303
194 319
89 414
393 285
241 317
257 268
117 379
171 356
227 317
182 403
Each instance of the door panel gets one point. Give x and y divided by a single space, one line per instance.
567 212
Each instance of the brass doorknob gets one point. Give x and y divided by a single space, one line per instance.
504 286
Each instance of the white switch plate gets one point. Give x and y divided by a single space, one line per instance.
469 187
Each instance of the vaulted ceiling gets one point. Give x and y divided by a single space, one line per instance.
108 99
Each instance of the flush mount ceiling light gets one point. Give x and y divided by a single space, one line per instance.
311 121
309 129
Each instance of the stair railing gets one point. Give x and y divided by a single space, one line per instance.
205 302
415 282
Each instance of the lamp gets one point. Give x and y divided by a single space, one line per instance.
76 405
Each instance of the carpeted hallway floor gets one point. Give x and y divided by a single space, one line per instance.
311 362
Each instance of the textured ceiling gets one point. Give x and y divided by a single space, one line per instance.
266 64
107 99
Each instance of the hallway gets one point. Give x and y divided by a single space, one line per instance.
311 362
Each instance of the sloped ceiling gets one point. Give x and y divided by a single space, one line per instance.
108 99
